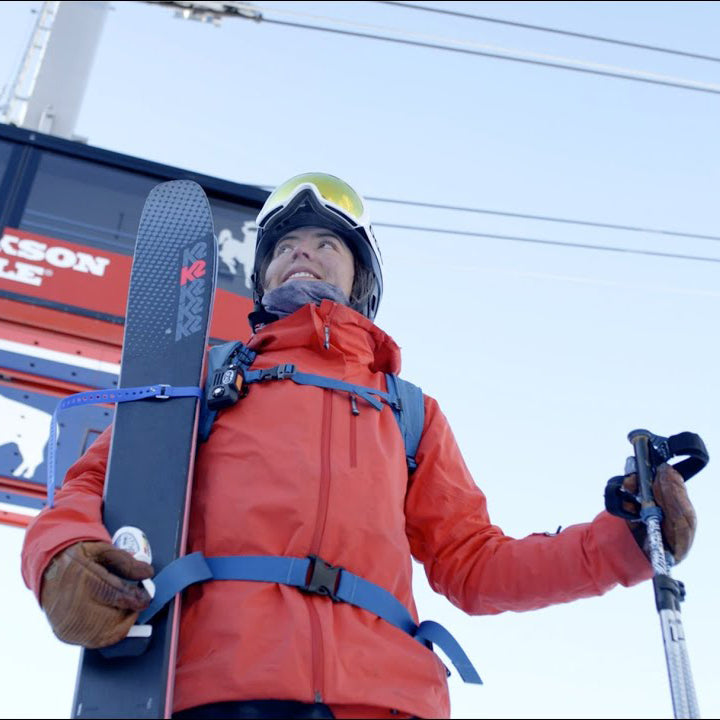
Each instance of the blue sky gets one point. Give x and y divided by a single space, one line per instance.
542 356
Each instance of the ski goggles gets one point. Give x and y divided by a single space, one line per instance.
333 194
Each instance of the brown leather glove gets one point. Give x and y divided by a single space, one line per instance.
90 593
679 521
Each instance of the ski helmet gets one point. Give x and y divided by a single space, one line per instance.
318 199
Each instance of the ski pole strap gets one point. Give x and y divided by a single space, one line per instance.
684 443
160 391
616 498
312 575
281 372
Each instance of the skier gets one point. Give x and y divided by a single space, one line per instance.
295 470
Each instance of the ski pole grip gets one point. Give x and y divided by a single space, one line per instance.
640 440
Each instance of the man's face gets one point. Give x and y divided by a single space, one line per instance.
311 253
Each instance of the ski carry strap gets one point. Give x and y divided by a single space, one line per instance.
312 575
101 397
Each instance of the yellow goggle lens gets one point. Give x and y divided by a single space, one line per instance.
331 188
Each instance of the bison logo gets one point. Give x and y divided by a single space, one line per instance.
29 429
237 255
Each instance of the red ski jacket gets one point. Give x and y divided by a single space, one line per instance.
291 470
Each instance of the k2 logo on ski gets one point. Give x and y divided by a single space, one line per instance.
193 272
192 289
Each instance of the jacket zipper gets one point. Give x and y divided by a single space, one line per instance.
318 652
353 431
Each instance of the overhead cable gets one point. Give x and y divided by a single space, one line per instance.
469 48
556 31
543 241
545 218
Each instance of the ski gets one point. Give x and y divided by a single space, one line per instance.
152 450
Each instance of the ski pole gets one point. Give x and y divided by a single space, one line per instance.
669 593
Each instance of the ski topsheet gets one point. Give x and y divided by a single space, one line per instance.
153 443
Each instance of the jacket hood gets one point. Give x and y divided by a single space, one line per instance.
356 337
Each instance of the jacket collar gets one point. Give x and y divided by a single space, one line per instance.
358 339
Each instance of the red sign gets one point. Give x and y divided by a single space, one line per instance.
91 279
63 272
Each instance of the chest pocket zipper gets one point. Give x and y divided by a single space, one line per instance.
353 431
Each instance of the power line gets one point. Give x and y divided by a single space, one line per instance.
503 54
541 241
556 31
545 218
645 77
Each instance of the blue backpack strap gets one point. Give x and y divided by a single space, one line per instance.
405 399
311 575
409 413
219 355
288 371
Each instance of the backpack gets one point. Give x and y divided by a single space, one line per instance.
311 574
405 398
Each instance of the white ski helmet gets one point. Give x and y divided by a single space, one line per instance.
325 201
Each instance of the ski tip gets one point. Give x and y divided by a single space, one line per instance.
176 188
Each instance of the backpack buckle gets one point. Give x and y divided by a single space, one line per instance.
279 372
284 371
323 578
